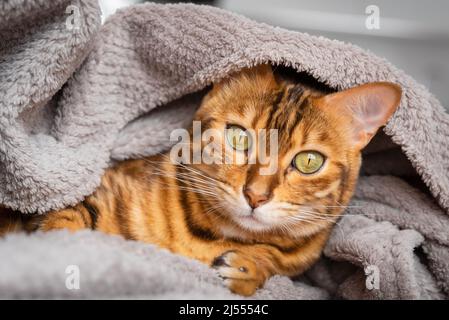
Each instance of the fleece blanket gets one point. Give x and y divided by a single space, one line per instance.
76 96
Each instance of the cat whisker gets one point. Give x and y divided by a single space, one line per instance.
314 215
345 213
316 223
185 178
196 172
325 206
195 190
215 208
187 181
191 190
305 220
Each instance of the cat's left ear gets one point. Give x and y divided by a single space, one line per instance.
364 109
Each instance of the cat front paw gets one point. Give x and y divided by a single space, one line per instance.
240 273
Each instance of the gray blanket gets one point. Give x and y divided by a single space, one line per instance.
76 96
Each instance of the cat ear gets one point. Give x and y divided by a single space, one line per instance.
365 108
262 72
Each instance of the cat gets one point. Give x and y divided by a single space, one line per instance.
246 225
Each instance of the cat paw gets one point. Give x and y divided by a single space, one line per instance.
240 273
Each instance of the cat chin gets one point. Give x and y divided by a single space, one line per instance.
255 222
251 223
249 220
261 219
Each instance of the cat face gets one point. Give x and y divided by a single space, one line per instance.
317 156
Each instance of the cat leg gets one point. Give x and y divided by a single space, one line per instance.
72 219
244 271
246 267
11 221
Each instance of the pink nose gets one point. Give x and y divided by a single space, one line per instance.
255 199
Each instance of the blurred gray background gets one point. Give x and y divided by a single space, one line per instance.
412 34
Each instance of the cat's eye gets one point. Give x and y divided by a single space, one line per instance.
308 162
238 138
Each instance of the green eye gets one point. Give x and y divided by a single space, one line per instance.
238 138
308 162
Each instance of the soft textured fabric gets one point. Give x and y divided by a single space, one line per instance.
74 99
110 267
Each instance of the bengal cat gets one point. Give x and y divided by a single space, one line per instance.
247 225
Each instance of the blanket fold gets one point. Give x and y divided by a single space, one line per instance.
76 96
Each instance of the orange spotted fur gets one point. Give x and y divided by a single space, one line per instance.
196 210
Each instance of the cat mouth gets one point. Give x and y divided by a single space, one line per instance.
251 217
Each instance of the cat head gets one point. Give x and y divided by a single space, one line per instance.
318 151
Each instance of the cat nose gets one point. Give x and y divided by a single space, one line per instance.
255 199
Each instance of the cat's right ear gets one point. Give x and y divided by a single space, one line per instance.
363 109
262 73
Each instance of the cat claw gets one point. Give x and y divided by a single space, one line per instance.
239 273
